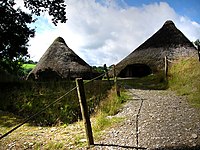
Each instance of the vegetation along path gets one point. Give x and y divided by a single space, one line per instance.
154 119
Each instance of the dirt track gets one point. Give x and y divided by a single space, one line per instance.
154 120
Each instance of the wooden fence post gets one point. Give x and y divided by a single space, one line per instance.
117 88
106 71
166 67
198 47
84 111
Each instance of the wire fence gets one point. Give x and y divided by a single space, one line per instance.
64 95
86 83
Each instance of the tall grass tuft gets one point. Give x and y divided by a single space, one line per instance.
113 103
25 98
185 79
107 109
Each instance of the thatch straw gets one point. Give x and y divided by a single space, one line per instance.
60 62
167 41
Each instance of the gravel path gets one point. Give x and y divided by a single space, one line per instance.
154 120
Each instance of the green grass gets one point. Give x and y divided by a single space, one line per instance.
104 118
26 98
113 103
28 66
103 121
34 137
184 78
151 82
65 135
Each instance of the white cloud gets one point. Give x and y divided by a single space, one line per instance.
191 29
106 32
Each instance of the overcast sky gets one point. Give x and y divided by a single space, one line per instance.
106 31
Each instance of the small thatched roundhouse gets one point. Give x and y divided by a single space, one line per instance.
149 57
60 62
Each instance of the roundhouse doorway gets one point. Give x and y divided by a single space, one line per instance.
135 70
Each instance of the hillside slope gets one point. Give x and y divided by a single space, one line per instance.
185 79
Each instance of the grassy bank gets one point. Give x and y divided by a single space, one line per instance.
108 108
25 98
64 136
151 82
184 78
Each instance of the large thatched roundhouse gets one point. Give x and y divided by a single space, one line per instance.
149 57
60 62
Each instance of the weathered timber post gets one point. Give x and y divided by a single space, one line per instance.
117 88
166 67
198 47
84 111
106 71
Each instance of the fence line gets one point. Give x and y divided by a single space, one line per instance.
167 60
57 100
94 78
36 114
84 111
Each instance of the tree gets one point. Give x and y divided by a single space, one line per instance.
99 69
55 8
14 30
197 42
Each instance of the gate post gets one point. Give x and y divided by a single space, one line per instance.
106 72
198 47
84 111
117 88
166 67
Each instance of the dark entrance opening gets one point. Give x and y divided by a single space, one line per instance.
135 70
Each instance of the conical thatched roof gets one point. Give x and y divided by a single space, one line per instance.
60 62
167 41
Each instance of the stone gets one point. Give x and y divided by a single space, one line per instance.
31 144
194 145
82 140
194 136
53 129
158 119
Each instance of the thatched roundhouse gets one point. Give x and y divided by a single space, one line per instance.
59 62
149 57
